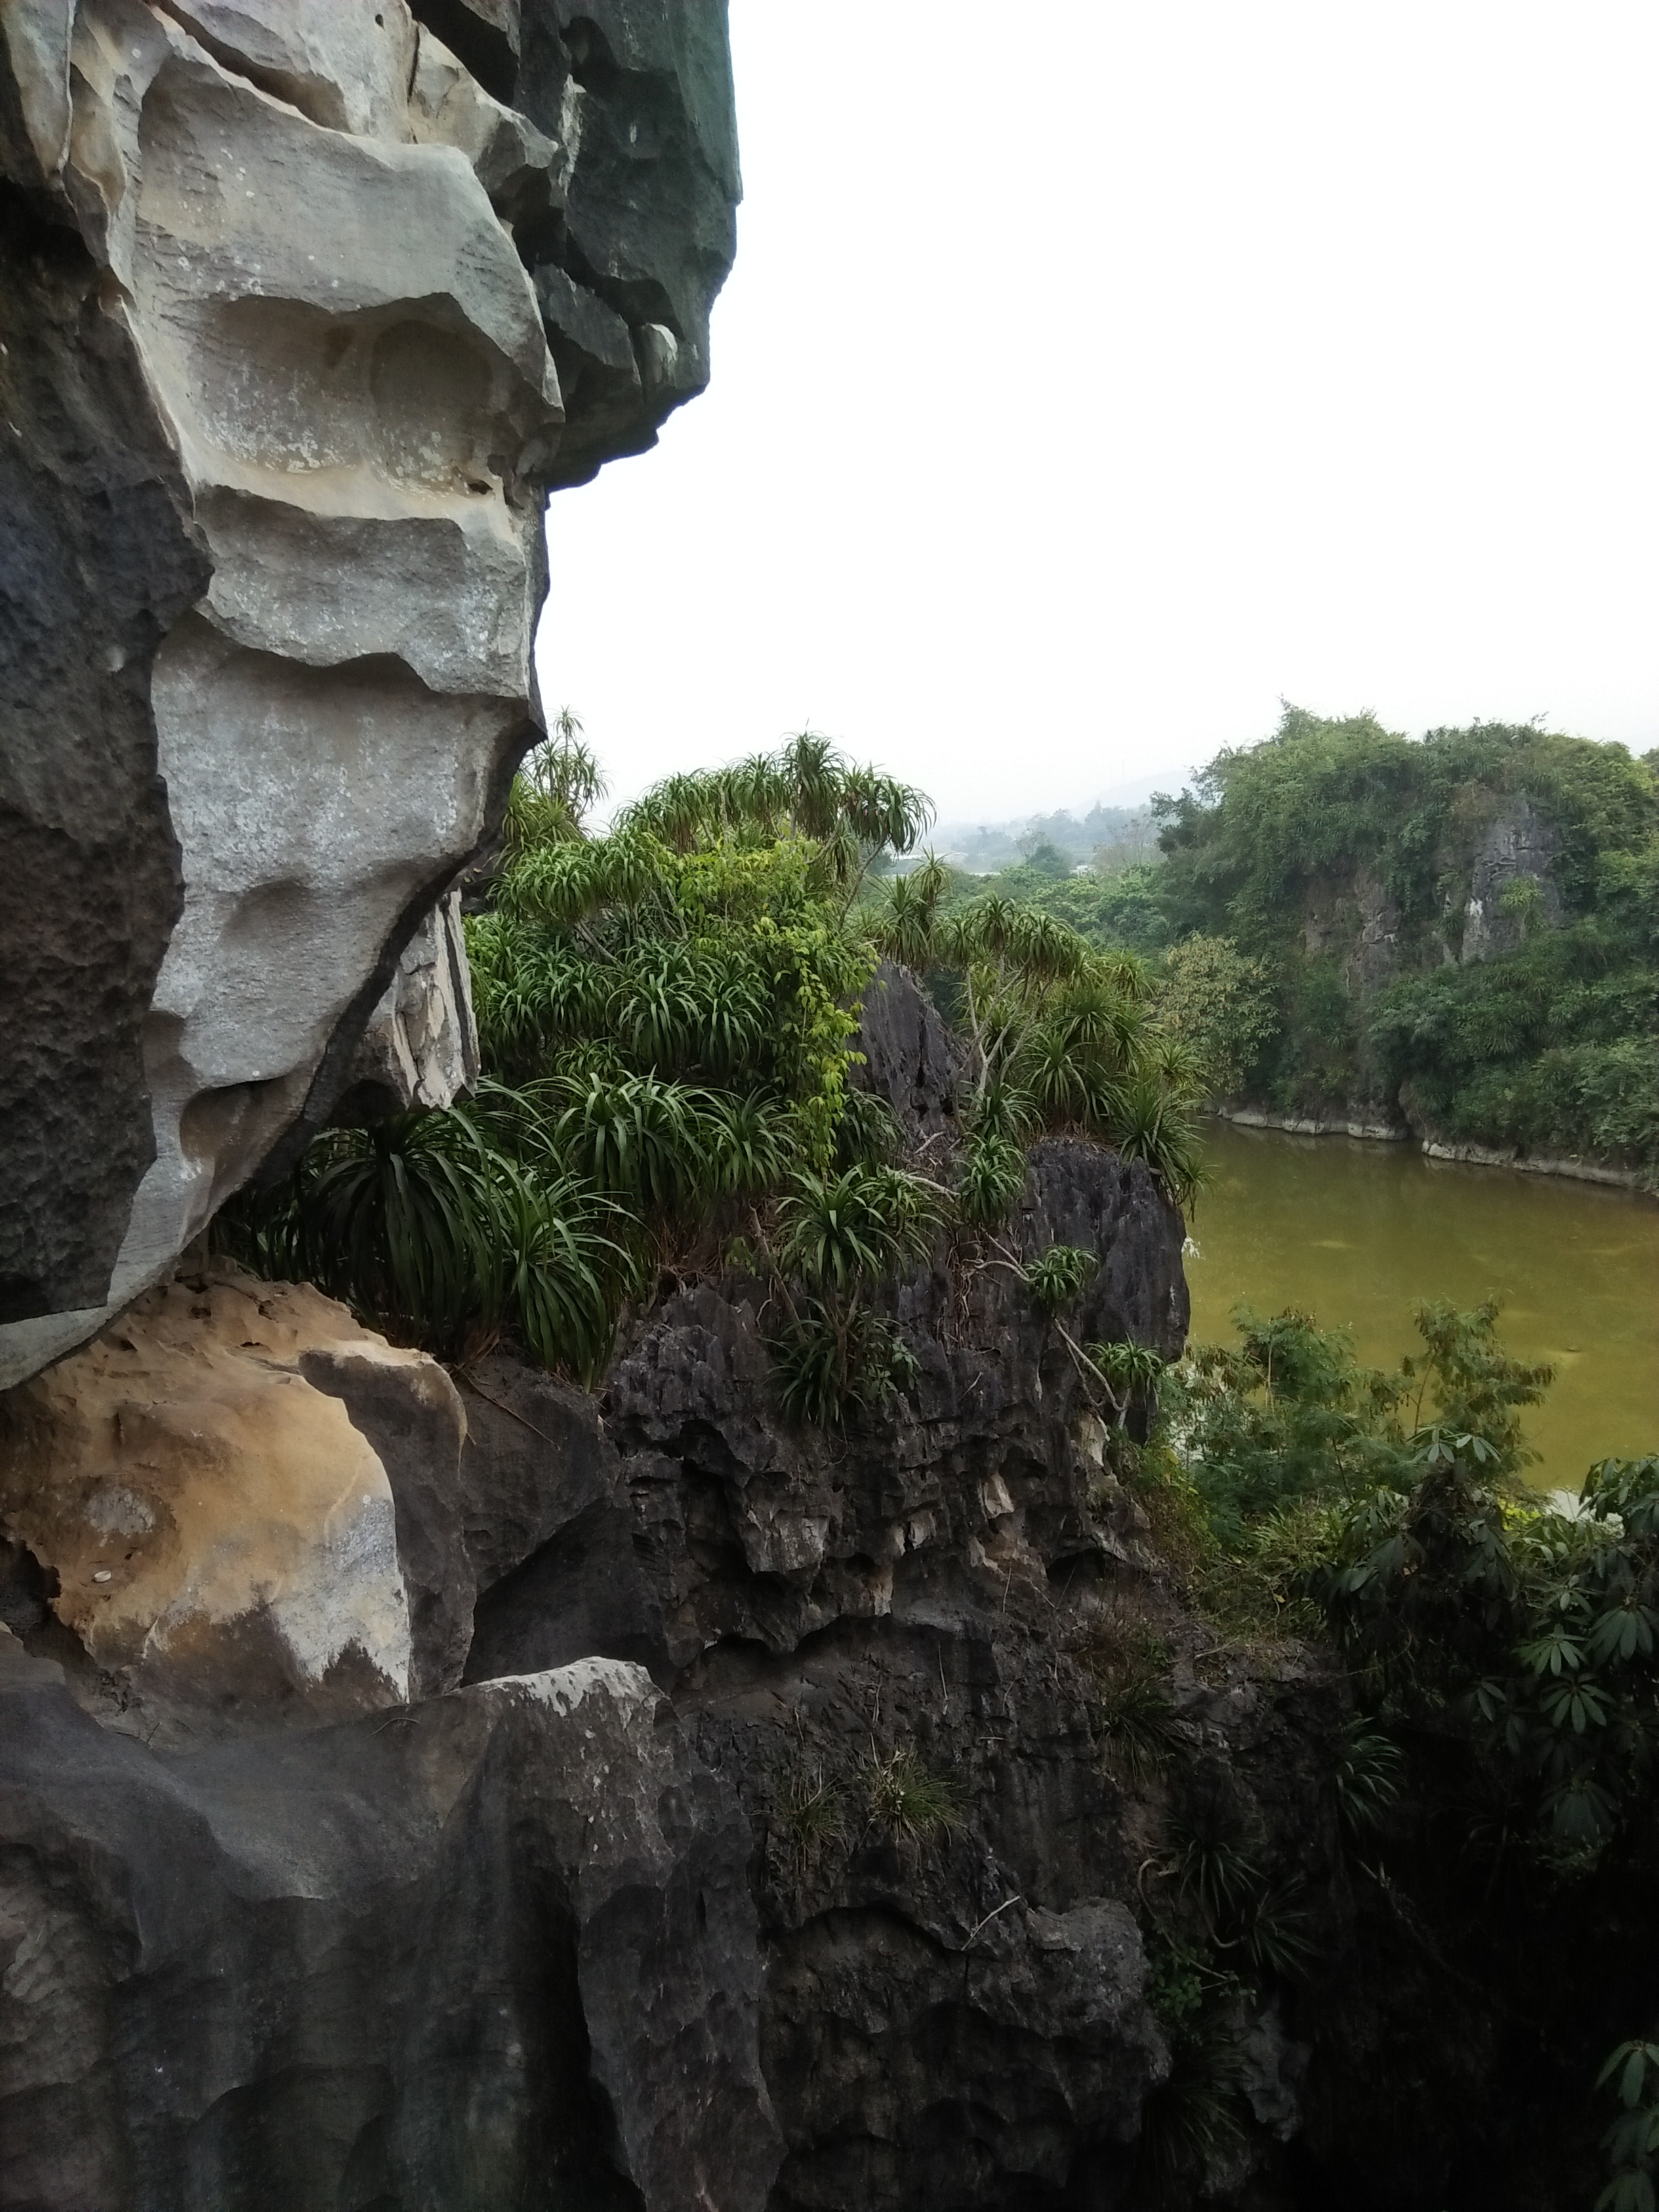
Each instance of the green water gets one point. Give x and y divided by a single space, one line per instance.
1354 1232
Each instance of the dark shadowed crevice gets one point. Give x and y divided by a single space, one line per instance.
482 36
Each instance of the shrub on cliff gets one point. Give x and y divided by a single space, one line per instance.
1220 1006
1060 1037
446 1229
1497 1788
666 1012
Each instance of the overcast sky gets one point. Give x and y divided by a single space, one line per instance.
1093 374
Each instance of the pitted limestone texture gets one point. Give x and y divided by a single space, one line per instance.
282 402
493 1949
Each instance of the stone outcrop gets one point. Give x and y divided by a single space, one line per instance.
392 1952
1510 881
303 307
494 1950
421 1047
201 1490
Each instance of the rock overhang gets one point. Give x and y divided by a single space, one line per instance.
304 320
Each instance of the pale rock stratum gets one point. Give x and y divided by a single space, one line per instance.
304 305
220 1533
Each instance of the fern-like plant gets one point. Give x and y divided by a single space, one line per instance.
430 1227
833 1358
809 1812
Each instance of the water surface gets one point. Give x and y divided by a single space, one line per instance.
1354 1232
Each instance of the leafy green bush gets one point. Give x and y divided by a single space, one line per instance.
446 1229
1136 1720
1290 1413
1060 1038
1632 2142
673 1003
832 1358
1114 910
1220 1005
1494 1785
1194 2121
1551 1049
1366 1778
993 1177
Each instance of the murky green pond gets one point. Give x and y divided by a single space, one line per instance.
1354 1231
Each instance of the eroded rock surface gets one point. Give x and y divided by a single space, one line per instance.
421 1047
1510 881
204 1490
434 1943
302 312
494 1951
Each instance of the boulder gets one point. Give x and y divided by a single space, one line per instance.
203 1493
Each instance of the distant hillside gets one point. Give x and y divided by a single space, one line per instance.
1459 934
1463 932
1106 837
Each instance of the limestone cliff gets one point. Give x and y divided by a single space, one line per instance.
304 305
557 1925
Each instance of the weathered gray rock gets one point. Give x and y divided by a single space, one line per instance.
393 1962
280 410
1513 857
962 2021
908 1056
498 1951
548 1531
421 1047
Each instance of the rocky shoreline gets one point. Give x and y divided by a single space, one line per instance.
1434 1148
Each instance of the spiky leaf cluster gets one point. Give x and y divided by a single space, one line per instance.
666 1012
1062 1037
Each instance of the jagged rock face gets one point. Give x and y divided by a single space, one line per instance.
396 1961
957 2021
496 1950
301 319
1516 850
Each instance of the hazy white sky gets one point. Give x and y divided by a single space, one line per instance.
1094 373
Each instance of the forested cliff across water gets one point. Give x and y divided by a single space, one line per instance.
1456 939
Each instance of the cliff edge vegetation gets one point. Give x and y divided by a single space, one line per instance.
667 1014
